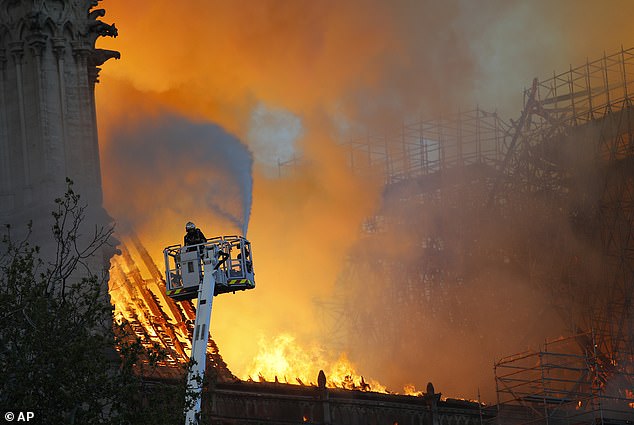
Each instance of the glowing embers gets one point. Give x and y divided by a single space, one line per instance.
630 397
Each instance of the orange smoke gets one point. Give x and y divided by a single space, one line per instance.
337 67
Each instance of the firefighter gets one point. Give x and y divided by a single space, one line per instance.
248 264
193 236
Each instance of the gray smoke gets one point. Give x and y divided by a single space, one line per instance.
191 169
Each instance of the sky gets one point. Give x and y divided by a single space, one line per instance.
209 96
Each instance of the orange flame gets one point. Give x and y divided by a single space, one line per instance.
282 358
139 299
410 389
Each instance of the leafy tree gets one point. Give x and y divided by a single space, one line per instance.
58 338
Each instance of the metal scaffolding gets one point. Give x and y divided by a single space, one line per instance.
564 384
576 150
558 183
564 113
437 174
426 147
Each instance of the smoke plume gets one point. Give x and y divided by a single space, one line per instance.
170 165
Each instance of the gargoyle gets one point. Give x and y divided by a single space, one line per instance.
99 56
102 29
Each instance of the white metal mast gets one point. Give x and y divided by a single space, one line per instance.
198 355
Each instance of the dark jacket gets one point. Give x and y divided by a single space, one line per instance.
194 237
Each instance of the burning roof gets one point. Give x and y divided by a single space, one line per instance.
137 291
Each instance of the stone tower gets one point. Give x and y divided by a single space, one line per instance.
48 70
